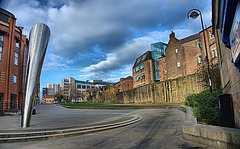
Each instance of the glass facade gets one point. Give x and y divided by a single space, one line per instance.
158 51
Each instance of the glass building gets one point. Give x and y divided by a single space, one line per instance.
158 51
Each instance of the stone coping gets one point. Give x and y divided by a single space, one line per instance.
214 136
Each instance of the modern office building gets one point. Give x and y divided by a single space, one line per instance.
55 88
48 95
13 53
158 51
143 71
73 89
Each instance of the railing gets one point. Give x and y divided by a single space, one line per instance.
9 107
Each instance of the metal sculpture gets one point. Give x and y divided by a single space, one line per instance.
38 41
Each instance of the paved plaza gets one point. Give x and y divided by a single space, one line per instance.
159 128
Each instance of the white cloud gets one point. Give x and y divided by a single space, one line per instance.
77 26
122 55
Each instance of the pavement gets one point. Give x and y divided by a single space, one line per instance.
147 128
51 116
53 121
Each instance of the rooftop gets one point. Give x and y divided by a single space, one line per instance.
4 15
143 58
190 38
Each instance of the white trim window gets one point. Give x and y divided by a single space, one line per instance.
178 64
199 59
14 79
165 71
214 53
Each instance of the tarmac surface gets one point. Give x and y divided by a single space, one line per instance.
159 128
51 116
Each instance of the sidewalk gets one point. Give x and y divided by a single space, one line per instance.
51 117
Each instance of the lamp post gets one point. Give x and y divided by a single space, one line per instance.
194 13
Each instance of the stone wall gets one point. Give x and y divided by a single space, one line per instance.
170 91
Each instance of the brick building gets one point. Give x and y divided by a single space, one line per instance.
124 84
13 52
185 56
143 70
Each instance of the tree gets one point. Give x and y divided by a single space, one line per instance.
215 75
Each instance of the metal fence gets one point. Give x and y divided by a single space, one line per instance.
8 107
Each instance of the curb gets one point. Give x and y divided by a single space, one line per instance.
159 106
214 136
52 134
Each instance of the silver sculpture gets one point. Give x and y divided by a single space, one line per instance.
38 41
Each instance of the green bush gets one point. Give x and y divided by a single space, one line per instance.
205 106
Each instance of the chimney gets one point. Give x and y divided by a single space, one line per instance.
172 35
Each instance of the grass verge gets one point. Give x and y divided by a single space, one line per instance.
101 105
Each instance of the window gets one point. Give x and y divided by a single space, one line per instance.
214 53
14 79
200 45
16 58
144 56
164 60
134 79
0 53
199 59
83 86
13 103
1 104
142 66
138 78
178 64
211 34
176 50
1 37
165 71
138 61
16 53
78 86
1 45
88 87
143 76
137 69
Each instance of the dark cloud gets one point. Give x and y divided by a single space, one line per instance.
116 27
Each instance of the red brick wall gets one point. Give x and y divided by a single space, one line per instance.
191 53
162 66
172 58
7 67
126 85
147 70
211 45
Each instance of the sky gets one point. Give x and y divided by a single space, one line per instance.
101 39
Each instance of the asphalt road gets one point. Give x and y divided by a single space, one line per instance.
160 128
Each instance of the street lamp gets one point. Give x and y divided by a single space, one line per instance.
194 13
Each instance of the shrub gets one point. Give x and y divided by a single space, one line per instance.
205 106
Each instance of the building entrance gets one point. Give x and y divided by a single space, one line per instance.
1 104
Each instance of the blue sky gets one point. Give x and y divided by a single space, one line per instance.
100 39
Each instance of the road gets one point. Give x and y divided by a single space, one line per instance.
160 128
